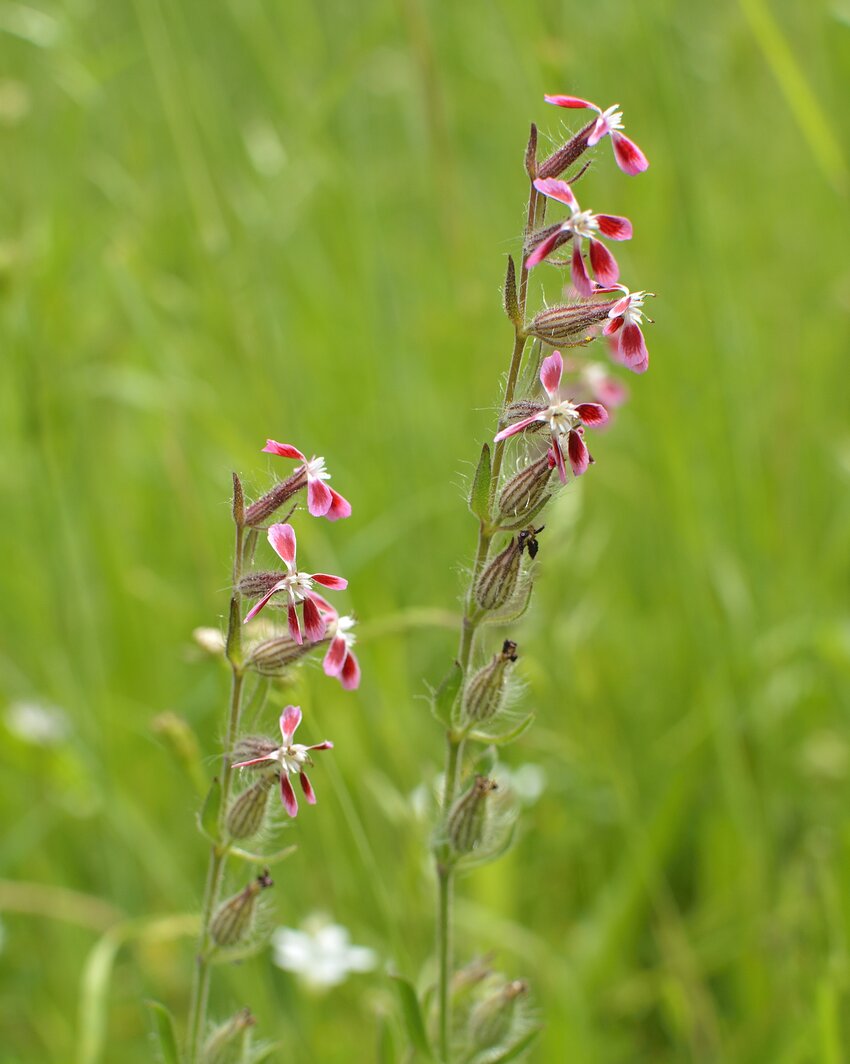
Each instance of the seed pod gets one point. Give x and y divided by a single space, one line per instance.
467 817
523 492
496 585
485 691
265 506
272 657
233 919
565 156
490 1021
568 322
223 1044
252 585
247 812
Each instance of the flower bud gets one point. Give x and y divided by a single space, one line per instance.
523 492
247 812
568 322
267 504
223 1046
468 815
564 157
496 585
272 657
491 1019
486 689
253 585
232 921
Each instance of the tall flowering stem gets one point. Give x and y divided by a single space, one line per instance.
471 702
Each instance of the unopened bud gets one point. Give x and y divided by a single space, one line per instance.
247 812
267 504
468 815
234 918
273 657
253 585
496 585
486 689
523 492
223 1044
569 322
531 153
565 156
490 1021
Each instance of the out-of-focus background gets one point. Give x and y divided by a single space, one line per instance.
222 221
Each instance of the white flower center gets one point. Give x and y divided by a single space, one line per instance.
316 469
613 118
292 757
583 223
562 418
296 585
344 626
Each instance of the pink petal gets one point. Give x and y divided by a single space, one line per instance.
319 497
294 626
326 745
285 450
592 413
287 795
603 262
614 227
578 272
611 392
558 455
307 788
339 507
620 307
630 158
323 604
543 250
255 609
558 190
611 326
551 370
633 348
600 130
314 622
335 657
350 675
517 426
335 583
282 539
579 456
289 721
570 101
253 761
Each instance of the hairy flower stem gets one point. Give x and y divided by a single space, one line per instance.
471 619
220 849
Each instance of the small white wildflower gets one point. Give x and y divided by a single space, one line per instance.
37 722
321 953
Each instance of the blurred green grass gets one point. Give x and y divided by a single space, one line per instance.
222 221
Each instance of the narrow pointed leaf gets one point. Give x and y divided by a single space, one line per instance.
444 698
479 496
165 1033
497 738
511 302
262 858
414 1024
238 502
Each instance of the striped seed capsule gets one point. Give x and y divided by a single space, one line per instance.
266 505
486 690
523 492
247 812
272 657
497 583
468 815
569 322
223 1046
233 919
491 1019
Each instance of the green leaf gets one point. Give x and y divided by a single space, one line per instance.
386 1048
479 496
208 816
515 1051
444 698
164 1029
262 858
511 302
412 1016
502 738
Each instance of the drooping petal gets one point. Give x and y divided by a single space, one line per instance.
335 657
285 450
633 348
611 326
324 606
558 190
289 721
307 788
282 539
630 158
339 507
614 226
571 101
620 307
335 583
253 761
314 622
544 249
603 262
578 454
558 455
350 675
287 795
517 426
551 370
600 129
592 413
294 626
255 609
319 497
578 272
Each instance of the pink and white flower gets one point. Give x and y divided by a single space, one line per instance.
624 328
630 158
582 225
297 586
340 660
563 417
291 757
322 501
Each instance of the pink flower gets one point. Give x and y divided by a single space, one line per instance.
322 501
623 326
340 661
298 588
630 158
582 225
563 418
291 757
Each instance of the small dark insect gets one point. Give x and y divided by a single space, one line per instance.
527 540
